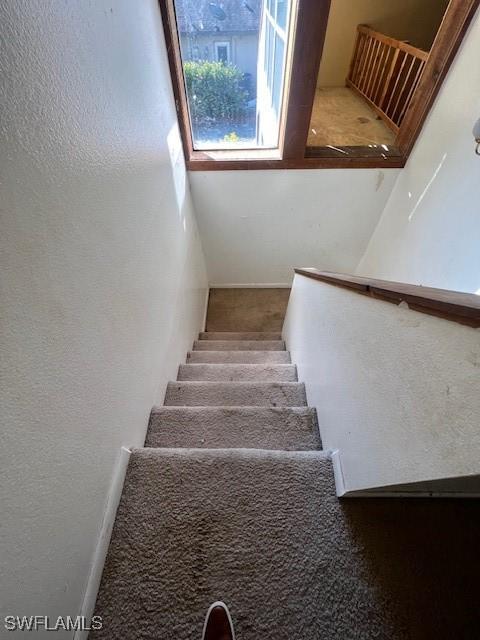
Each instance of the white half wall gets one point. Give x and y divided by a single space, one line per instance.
103 277
256 226
397 392
429 232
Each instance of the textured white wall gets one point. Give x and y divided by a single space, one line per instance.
429 232
103 280
397 391
256 226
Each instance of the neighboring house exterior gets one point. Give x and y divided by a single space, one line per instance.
225 31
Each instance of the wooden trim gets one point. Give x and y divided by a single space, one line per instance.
393 42
456 306
321 162
373 151
455 23
310 30
167 11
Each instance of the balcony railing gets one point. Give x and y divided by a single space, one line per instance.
385 72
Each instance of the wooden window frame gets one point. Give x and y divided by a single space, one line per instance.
310 30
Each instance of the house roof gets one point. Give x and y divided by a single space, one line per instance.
197 16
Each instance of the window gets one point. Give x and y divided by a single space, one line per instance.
270 83
299 84
222 52
234 100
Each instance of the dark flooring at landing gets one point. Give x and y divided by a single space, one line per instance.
424 557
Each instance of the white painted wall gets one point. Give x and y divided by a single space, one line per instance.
103 280
256 226
397 392
429 232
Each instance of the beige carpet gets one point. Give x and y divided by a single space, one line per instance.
253 309
341 118
284 428
238 503
262 531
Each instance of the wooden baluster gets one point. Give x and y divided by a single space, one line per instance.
363 64
356 57
373 69
361 59
391 70
368 70
378 71
397 80
368 62
382 75
412 90
404 88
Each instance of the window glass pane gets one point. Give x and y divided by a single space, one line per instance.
278 74
233 56
281 16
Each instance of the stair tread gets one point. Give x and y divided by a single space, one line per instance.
280 394
238 372
240 335
287 428
239 357
239 345
261 530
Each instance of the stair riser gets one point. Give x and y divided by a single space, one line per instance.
239 345
238 372
287 394
239 357
289 429
245 335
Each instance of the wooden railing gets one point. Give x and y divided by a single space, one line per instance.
456 306
386 73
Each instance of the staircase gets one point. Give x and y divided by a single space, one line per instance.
233 499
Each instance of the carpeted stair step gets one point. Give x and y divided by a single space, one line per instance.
238 372
292 428
239 345
240 335
240 357
261 530
219 394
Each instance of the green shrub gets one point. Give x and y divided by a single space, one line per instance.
214 91
231 137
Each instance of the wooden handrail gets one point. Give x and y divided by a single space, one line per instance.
450 305
385 72
393 42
